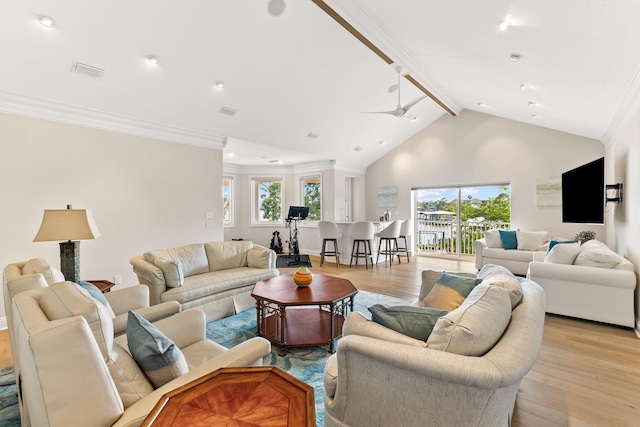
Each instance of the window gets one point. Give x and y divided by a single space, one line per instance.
311 196
227 200
267 200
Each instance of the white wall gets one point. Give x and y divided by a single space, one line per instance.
144 193
475 148
623 165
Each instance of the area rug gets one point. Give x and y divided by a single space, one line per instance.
305 363
283 261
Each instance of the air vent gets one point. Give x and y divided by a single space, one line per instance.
87 70
228 111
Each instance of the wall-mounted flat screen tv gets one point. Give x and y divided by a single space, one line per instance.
583 193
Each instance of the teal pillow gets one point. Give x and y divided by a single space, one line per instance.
416 322
449 291
556 242
509 239
156 355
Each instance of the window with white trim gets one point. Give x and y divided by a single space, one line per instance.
267 200
227 201
311 196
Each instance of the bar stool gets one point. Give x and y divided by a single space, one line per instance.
362 235
329 232
389 236
405 230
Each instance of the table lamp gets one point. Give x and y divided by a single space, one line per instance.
70 225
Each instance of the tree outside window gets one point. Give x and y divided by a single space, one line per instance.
312 196
227 200
267 200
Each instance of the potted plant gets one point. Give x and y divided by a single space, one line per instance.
585 236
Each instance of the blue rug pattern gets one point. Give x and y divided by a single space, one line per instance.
305 363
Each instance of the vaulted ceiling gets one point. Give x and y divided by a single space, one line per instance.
298 83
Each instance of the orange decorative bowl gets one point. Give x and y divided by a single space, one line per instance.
303 277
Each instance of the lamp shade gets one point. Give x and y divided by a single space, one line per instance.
67 224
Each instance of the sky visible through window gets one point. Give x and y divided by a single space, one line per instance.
481 193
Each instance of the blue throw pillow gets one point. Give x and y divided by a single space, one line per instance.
509 239
156 355
416 322
96 294
556 242
449 291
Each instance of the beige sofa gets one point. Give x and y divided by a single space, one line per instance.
380 377
74 373
215 277
587 281
490 250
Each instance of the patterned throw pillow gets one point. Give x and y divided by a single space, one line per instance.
156 355
416 322
450 291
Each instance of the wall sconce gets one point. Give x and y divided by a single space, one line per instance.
614 193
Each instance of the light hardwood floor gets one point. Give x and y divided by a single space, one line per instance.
587 373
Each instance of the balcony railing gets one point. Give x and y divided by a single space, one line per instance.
441 236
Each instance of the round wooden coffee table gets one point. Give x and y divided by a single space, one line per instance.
292 316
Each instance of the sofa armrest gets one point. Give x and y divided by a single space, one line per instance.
152 314
150 275
478 247
130 298
184 329
250 352
539 256
582 274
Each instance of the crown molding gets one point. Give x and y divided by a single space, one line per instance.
628 106
293 169
22 105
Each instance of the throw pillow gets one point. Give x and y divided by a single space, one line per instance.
555 241
497 275
156 355
172 271
531 240
489 269
258 258
476 326
596 254
449 291
509 239
416 322
564 253
492 237
97 294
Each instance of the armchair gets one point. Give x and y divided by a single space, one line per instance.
74 372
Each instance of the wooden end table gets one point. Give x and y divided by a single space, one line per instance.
291 316
256 396
104 285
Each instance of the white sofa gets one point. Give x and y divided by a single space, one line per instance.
490 250
380 377
597 285
215 277
74 373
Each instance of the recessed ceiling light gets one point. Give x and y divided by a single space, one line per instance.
383 142
357 148
481 104
312 135
230 154
532 104
515 57
46 21
524 86
152 59
535 116
276 7
504 25
219 85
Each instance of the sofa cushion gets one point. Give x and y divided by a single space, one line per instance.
509 239
563 253
172 271
476 326
596 254
158 357
429 279
192 258
508 282
416 322
525 256
259 258
226 255
449 291
531 240
66 299
40 265
131 383
492 237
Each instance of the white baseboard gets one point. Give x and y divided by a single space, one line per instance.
3 323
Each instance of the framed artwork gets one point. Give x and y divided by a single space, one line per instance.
387 197
549 191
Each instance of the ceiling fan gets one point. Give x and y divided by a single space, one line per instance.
401 110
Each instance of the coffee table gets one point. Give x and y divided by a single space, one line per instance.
289 315
256 396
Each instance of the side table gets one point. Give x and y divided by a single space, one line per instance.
256 396
104 285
